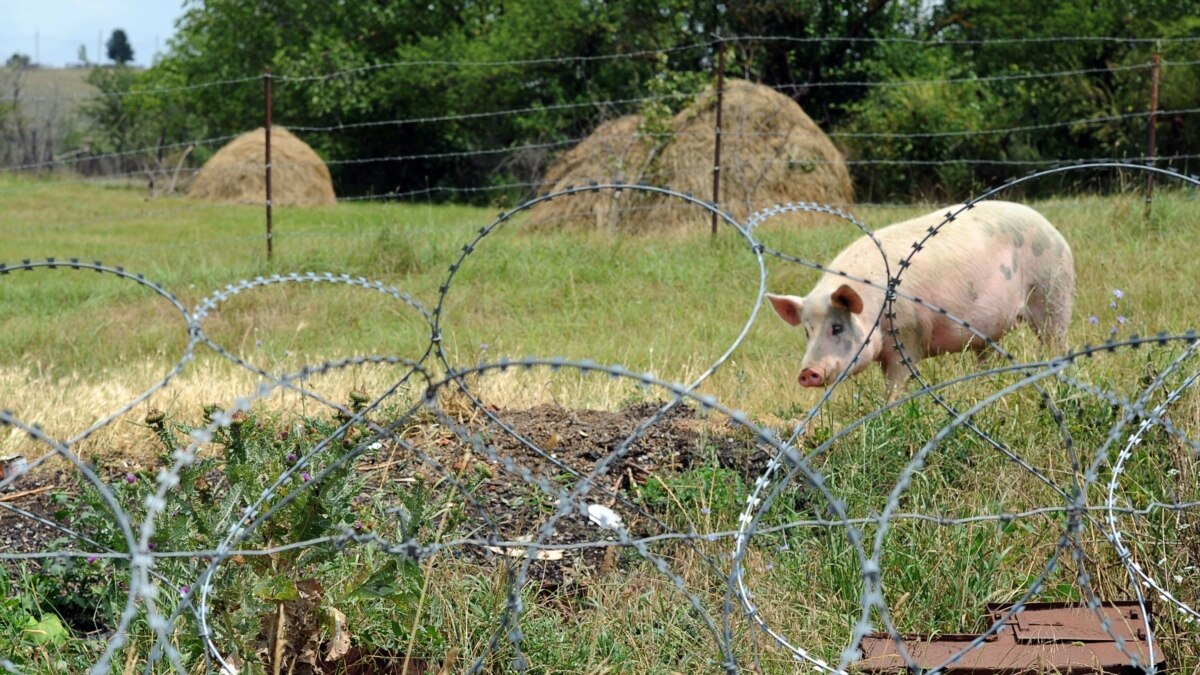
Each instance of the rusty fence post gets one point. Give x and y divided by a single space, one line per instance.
267 165
1151 147
716 192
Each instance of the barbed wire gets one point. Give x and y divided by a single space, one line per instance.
579 59
1088 495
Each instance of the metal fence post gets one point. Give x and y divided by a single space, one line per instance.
716 192
1151 149
267 167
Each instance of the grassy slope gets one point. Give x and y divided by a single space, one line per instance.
670 304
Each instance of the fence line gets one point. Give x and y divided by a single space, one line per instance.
577 59
527 157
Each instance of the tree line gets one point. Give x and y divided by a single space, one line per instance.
952 66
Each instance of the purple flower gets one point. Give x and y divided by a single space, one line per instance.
1112 331
291 458
1117 293
184 590
1121 319
152 546
358 524
706 511
1093 320
305 477
91 559
1112 305
130 478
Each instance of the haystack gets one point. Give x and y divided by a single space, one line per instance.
235 173
771 152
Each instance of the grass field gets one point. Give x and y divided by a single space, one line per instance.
77 344
669 304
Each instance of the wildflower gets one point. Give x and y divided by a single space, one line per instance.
1093 320
1112 331
92 559
184 590
358 524
130 478
1121 319
1112 305
291 458
1118 294
706 511
305 477
151 546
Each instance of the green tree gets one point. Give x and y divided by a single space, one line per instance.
897 80
351 43
118 47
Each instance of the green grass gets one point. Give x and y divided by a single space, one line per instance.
667 303
670 304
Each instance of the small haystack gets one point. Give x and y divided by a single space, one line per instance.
235 173
771 152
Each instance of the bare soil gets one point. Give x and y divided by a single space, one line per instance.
544 443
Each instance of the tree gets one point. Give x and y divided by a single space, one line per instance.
19 61
81 54
118 47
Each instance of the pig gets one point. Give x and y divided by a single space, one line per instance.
995 265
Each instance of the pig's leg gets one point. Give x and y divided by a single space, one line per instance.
1048 310
896 374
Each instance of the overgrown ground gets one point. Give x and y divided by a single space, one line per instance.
75 345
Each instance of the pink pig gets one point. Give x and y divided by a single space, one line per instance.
994 265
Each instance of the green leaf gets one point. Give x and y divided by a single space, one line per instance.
277 589
393 581
48 631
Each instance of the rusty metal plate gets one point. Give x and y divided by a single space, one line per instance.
1045 637
1080 624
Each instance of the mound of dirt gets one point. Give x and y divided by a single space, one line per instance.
236 172
771 152
569 443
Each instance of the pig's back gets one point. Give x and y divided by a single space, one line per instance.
967 247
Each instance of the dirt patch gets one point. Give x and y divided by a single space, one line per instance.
545 444
559 446
20 533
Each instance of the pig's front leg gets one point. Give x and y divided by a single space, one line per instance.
896 374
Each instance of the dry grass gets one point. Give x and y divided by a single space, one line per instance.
67 405
771 152
235 173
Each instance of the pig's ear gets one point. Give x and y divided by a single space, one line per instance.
788 307
847 298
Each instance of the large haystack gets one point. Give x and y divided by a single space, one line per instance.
771 152
235 173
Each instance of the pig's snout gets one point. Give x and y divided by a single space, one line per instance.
811 377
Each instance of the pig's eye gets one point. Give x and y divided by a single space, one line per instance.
837 329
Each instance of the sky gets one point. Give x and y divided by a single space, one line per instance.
51 31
